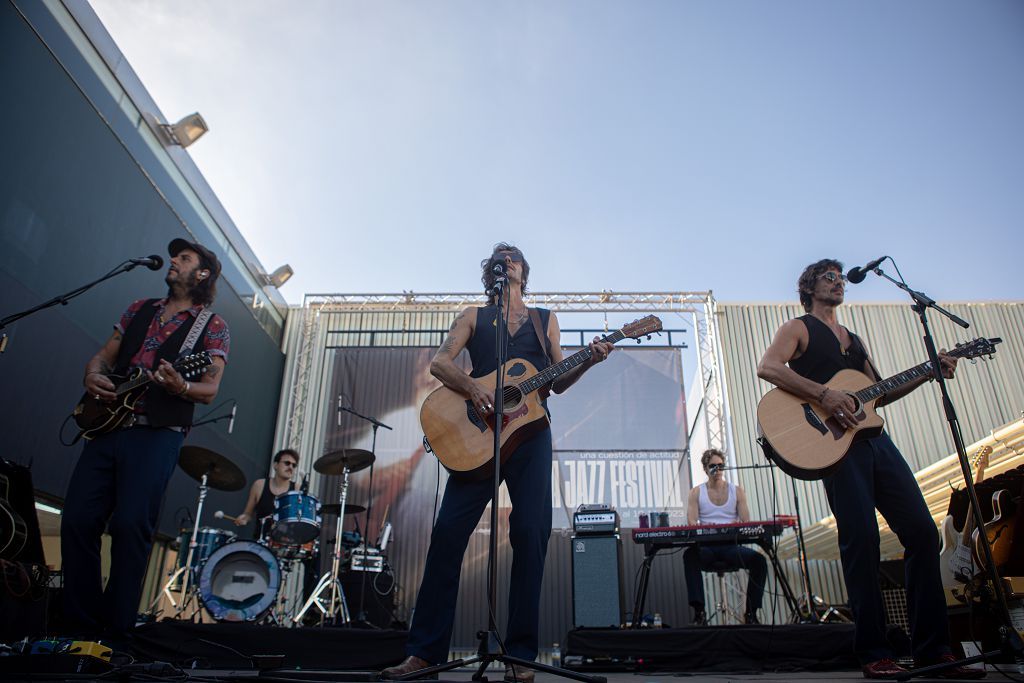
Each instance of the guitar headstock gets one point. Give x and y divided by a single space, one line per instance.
980 460
192 366
976 348
645 326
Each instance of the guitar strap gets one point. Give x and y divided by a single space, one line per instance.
545 342
198 325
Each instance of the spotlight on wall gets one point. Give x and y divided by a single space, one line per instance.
186 131
280 276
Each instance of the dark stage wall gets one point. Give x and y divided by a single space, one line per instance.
80 191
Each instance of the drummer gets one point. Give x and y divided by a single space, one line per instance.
263 491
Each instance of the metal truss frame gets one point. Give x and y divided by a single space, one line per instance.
699 307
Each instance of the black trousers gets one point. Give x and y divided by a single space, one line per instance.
120 480
527 474
875 475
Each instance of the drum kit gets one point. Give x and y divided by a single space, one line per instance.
241 580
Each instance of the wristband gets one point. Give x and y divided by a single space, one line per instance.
185 389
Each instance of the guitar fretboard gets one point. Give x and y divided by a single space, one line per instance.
552 372
887 385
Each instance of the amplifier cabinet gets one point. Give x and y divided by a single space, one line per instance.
597 581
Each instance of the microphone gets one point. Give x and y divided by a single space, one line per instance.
305 484
858 274
219 514
231 422
715 468
498 268
153 262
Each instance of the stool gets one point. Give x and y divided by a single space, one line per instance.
722 605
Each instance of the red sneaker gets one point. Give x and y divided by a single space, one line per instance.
956 672
883 668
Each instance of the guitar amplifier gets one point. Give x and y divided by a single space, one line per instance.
595 519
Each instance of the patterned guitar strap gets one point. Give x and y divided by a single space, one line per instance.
198 325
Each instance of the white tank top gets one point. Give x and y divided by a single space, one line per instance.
710 513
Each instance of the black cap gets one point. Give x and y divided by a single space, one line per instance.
207 259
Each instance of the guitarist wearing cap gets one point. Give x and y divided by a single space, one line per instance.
804 355
125 466
526 472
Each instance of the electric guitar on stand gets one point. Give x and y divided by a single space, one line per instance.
808 443
956 562
462 438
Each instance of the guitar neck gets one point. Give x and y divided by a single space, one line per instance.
552 372
131 384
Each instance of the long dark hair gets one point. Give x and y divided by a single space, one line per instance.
498 256
809 278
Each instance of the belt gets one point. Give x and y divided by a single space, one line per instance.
143 421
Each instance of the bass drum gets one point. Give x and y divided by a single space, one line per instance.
239 582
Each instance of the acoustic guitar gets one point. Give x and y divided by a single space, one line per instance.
808 443
95 417
956 562
463 439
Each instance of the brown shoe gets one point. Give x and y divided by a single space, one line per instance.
883 668
408 665
956 672
515 673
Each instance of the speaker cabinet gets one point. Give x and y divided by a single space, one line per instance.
596 581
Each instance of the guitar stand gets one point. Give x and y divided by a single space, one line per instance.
1011 643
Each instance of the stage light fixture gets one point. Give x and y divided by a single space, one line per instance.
186 131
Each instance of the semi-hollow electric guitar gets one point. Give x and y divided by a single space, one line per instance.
463 439
13 531
956 563
95 417
1001 530
808 443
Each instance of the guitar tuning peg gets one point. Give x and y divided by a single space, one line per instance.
638 341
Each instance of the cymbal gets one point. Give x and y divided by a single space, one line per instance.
332 509
222 474
336 461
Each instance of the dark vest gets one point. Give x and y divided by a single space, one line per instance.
524 344
824 356
162 409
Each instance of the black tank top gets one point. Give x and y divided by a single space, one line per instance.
824 356
523 344
265 505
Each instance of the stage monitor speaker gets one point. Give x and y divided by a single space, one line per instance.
596 581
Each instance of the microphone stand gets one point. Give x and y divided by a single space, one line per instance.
1011 642
361 617
491 648
61 299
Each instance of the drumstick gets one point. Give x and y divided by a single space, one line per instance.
219 514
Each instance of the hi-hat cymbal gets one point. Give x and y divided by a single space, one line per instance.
333 508
222 474
335 462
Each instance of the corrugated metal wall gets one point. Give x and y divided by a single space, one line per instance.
986 394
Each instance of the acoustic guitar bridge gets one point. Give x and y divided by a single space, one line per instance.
474 417
813 419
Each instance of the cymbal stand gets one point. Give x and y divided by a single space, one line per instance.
188 592
330 580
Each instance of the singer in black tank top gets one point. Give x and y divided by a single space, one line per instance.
805 353
526 473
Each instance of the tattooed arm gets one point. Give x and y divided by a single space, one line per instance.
101 365
444 368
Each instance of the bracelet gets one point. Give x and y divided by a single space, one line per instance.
821 396
185 389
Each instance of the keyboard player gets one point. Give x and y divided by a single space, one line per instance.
719 502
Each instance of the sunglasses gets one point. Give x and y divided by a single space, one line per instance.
502 255
288 464
832 276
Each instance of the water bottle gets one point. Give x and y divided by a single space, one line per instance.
556 656
657 620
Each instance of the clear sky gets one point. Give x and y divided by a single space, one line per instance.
384 146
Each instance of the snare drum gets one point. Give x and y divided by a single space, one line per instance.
239 582
296 518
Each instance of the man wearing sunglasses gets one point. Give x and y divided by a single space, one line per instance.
526 472
805 354
260 505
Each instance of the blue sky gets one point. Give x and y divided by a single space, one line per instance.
666 146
